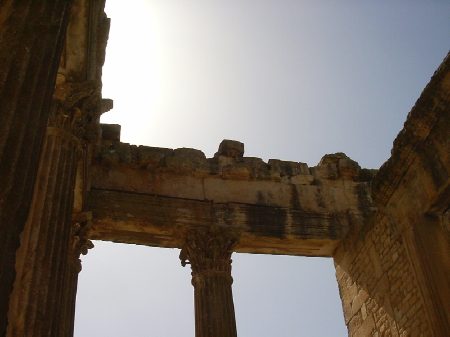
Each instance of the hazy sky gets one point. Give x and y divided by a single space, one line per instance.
292 80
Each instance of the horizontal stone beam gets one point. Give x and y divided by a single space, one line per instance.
152 196
163 221
337 184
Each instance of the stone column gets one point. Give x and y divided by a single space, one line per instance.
41 258
43 266
31 39
209 250
80 244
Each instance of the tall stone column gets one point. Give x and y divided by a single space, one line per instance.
80 244
41 258
31 38
209 250
43 266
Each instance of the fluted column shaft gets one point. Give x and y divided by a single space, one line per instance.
209 252
31 36
79 245
42 259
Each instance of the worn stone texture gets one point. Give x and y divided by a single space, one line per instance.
208 250
31 40
338 185
387 229
42 301
393 274
377 285
280 207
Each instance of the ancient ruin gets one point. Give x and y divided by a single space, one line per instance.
66 179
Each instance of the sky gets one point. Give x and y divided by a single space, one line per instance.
293 80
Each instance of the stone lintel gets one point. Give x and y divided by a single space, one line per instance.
336 185
162 221
147 195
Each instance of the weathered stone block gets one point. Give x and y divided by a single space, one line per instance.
110 132
106 105
288 168
238 172
257 167
302 180
338 165
152 156
359 300
185 159
230 148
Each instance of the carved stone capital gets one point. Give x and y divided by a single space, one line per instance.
208 250
76 108
80 243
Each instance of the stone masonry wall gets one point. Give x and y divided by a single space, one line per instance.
393 272
379 291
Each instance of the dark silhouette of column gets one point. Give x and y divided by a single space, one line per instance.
209 250
31 39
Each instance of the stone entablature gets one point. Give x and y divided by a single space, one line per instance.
336 185
388 232
226 165
280 207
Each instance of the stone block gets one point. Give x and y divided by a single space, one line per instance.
127 153
249 192
118 153
224 160
338 165
230 148
185 159
152 156
257 167
302 180
366 328
359 300
106 105
348 168
238 172
111 132
288 168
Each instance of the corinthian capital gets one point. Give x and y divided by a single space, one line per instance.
208 250
75 106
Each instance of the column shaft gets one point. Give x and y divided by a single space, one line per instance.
209 253
31 36
214 307
79 245
42 259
